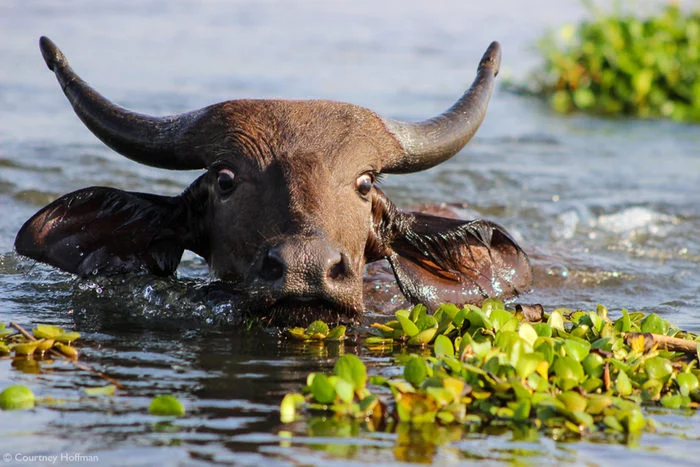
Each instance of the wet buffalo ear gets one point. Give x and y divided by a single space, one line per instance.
443 260
106 231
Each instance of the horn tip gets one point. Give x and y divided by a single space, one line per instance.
52 54
492 58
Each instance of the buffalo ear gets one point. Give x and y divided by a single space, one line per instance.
443 260
106 231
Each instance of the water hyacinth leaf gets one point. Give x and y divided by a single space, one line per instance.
24 348
415 371
317 327
166 406
448 309
577 348
528 333
322 389
655 324
68 337
521 410
623 384
527 363
67 350
569 371
297 333
556 320
573 401
443 347
408 326
344 389
593 365
674 401
417 312
597 403
623 324
101 390
687 382
423 337
426 322
542 329
376 340
455 386
45 331
651 389
336 334
633 421
499 317
658 368
478 319
289 406
17 397
350 368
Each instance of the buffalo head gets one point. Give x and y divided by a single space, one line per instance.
288 208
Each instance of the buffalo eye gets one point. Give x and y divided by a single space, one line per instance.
364 183
225 180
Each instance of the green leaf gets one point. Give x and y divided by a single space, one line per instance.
68 337
100 390
443 347
409 328
289 405
577 348
655 324
350 368
336 334
528 333
45 331
344 389
322 389
658 368
423 337
16 397
556 321
622 384
687 382
166 406
317 327
623 324
415 371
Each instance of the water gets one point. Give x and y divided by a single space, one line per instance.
607 208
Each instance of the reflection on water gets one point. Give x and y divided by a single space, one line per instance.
607 209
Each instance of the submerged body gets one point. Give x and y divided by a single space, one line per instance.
288 212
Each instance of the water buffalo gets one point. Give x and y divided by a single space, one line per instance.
288 208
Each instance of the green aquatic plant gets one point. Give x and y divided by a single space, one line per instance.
569 374
166 406
16 397
318 331
621 63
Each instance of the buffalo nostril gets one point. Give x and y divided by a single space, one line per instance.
272 267
339 268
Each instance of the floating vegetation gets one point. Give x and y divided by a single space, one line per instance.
166 406
16 397
619 63
568 374
43 339
318 331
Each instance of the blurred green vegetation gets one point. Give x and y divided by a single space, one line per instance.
620 63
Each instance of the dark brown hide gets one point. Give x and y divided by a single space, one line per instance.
287 209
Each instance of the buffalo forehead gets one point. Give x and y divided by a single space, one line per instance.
338 133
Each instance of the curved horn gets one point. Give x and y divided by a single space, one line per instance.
433 141
155 141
